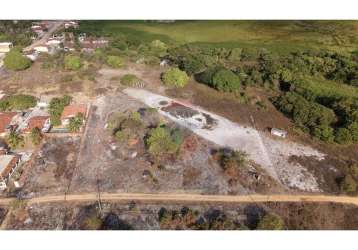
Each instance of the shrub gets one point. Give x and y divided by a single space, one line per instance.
324 133
160 142
174 77
114 61
129 80
36 136
72 62
56 107
343 136
348 184
75 123
14 60
271 222
17 102
15 140
226 81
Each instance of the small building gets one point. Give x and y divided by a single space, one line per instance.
8 164
32 55
6 119
71 111
69 45
4 149
43 48
89 44
5 47
71 24
279 132
164 62
41 122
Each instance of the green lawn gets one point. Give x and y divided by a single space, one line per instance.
280 36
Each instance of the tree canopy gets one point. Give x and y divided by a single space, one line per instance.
174 77
14 60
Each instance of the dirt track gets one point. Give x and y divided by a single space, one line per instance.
189 198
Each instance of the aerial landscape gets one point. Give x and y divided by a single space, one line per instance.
178 125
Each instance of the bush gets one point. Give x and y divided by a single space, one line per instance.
226 81
56 107
75 123
114 61
72 62
14 60
15 140
343 136
271 222
17 102
36 136
174 77
130 80
348 184
160 142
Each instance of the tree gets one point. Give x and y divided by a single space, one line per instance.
174 77
343 136
72 62
14 60
271 221
114 61
324 133
226 81
130 80
56 108
75 123
36 136
348 184
17 102
160 142
15 140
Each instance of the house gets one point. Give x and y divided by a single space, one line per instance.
91 43
71 111
43 48
54 42
6 119
8 164
41 122
71 24
279 132
5 47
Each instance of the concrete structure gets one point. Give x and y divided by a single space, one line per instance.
71 24
5 47
278 132
8 164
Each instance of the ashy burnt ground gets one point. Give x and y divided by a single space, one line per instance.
53 166
132 216
107 165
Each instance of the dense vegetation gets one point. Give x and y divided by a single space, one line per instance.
56 108
17 102
76 123
14 60
72 62
18 32
174 77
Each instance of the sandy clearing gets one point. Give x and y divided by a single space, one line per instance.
272 154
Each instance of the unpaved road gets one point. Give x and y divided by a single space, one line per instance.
185 198
46 36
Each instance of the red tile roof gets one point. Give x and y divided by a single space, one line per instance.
72 110
5 119
36 122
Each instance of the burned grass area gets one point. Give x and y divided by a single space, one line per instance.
138 216
53 166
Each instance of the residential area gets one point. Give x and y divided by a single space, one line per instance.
123 125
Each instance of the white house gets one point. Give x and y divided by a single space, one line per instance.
8 164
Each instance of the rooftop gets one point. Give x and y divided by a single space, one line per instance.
5 120
72 110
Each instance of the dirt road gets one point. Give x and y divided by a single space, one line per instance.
186 198
46 36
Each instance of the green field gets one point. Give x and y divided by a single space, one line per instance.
279 36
